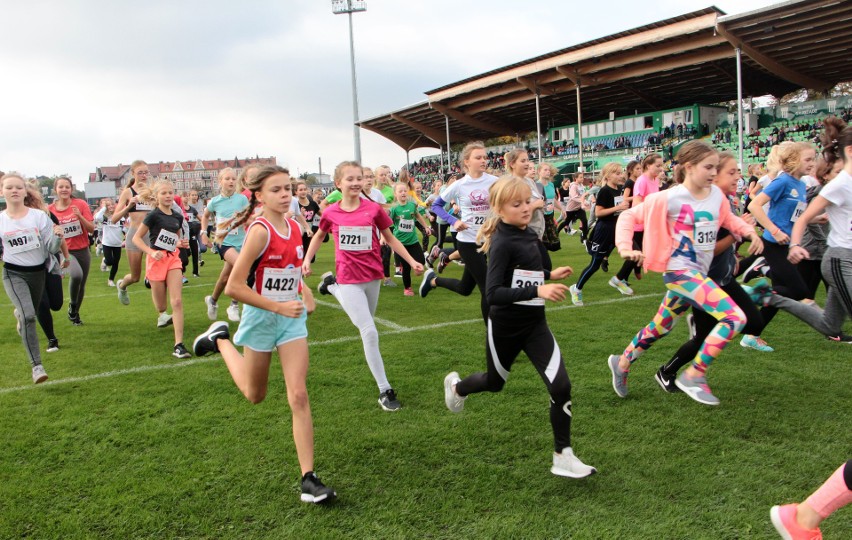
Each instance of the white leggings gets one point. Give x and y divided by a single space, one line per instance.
359 301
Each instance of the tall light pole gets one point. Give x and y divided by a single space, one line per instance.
349 7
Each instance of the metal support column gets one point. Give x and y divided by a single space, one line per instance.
740 107
580 128
449 149
538 123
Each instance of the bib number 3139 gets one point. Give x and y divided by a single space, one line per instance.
355 238
528 278
281 284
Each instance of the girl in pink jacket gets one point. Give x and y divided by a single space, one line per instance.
681 225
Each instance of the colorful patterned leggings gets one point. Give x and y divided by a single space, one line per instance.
690 288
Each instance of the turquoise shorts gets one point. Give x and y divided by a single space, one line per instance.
264 331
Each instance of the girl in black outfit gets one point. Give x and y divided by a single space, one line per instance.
516 293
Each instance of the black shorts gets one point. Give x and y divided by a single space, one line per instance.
223 250
603 238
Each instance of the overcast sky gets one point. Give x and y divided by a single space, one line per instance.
102 82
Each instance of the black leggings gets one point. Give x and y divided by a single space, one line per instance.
786 279
630 266
589 271
475 269
442 233
422 230
386 257
112 256
194 231
811 272
51 300
417 255
505 340
704 324
571 217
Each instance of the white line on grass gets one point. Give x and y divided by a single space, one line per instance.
384 322
141 289
344 339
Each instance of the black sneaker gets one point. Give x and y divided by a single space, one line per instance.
755 270
52 345
842 338
605 265
206 343
314 491
388 401
426 285
666 382
74 316
147 284
180 351
326 281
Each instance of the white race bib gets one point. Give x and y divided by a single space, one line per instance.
406 225
166 240
618 200
72 229
355 238
281 284
21 241
526 278
477 219
798 211
705 235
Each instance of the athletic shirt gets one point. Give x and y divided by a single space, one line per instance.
472 198
311 212
75 235
575 197
549 198
786 203
609 198
839 193
644 186
224 209
693 226
537 219
25 240
278 270
514 273
565 195
111 233
191 214
357 253
164 230
404 217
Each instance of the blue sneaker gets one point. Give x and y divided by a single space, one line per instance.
752 342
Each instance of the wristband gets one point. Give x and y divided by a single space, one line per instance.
776 231
204 233
794 245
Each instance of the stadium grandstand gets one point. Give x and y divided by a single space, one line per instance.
650 88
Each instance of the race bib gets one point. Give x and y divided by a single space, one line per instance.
406 225
798 211
281 284
618 200
527 278
548 205
355 238
166 240
72 229
142 207
220 220
21 241
705 235
477 219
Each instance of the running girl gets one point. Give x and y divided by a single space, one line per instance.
516 321
163 228
112 236
129 205
223 207
404 214
356 224
28 240
77 223
681 225
274 315
310 210
471 193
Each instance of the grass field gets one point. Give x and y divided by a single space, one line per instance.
125 441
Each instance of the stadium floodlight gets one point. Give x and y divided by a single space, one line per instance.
349 7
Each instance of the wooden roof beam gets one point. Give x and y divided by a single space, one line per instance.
402 141
467 119
686 60
430 132
653 103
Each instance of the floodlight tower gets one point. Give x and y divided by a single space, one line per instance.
349 7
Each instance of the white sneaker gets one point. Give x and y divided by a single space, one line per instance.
212 308
103 265
233 313
567 464
110 283
576 295
123 297
454 401
39 374
622 287
164 320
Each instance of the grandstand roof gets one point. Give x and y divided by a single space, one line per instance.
676 62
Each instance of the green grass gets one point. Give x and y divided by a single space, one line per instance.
157 448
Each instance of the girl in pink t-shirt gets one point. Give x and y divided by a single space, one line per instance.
356 224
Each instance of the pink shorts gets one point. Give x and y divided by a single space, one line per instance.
158 270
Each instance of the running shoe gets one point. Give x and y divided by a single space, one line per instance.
690 325
39 374
454 401
388 400
326 281
752 342
164 320
180 351
314 491
408 292
185 280
52 345
99 250
841 338
17 321
622 286
443 261
567 464
147 284
605 265
397 272
201 262
388 282
426 284
103 265
619 377
758 268
233 312
195 275
666 381
433 255
697 389
760 293
110 283
576 295
206 343
74 316
212 307
123 297
784 520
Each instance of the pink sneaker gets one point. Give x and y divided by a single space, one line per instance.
408 292
784 519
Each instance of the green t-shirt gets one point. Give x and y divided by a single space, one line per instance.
334 196
387 191
403 216
549 197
